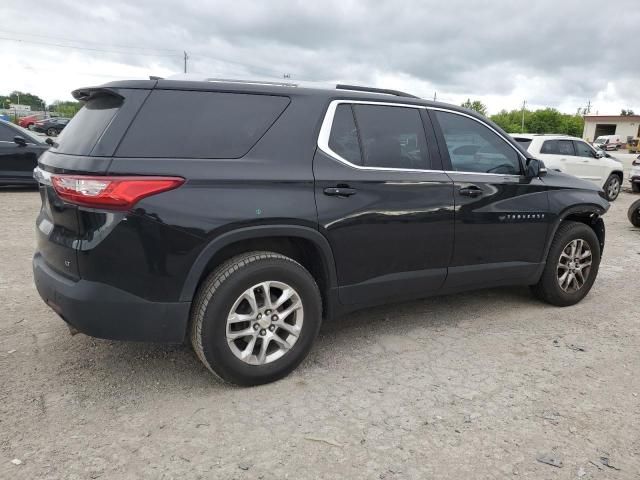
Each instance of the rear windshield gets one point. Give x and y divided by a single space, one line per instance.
191 124
524 142
84 130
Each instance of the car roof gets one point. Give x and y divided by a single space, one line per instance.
271 88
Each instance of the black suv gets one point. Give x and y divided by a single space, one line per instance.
239 215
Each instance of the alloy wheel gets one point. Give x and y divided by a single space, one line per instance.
613 188
264 322
574 265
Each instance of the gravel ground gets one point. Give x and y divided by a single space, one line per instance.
476 385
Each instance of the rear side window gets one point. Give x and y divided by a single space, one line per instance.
557 147
84 130
392 137
188 124
344 136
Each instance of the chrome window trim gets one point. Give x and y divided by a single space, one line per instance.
327 123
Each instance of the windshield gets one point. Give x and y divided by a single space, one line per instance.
601 140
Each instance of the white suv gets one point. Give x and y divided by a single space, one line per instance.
576 157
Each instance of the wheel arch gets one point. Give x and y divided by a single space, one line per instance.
588 214
303 244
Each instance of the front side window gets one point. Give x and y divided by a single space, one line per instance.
584 150
473 147
343 139
392 137
6 134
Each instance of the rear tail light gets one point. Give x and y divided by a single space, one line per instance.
112 193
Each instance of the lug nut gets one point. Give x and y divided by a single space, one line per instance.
263 332
271 328
256 326
274 318
268 312
259 316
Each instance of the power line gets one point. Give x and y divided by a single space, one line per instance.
7 32
91 49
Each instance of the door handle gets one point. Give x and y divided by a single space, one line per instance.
340 191
471 191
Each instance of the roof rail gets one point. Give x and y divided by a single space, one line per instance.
250 82
357 88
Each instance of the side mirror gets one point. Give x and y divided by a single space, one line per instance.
49 141
20 141
536 168
599 154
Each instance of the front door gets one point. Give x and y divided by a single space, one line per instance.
586 165
501 215
383 201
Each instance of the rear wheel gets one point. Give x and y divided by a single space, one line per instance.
612 187
255 318
51 132
634 213
572 265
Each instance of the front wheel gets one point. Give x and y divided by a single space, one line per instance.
612 187
572 265
255 318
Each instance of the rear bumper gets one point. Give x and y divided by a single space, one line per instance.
103 311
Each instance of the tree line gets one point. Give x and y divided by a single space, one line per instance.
63 108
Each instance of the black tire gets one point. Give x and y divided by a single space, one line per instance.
52 132
633 214
548 288
216 297
608 185
635 187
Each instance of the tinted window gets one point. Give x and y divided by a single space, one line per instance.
583 150
392 137
6 133
565 147
81 134
557 147
344 136
181 124
474 148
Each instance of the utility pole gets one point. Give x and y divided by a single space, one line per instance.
186 57
435 96
524 104
588 109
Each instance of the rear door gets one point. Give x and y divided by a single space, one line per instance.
383 201
500 214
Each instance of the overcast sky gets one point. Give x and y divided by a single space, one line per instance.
558 53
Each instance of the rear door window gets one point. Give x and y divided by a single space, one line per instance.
344 136
192 124
82 133
565 147
392 137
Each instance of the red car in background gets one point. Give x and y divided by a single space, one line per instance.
27 122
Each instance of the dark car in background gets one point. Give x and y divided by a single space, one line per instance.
19 153
51 126
257 210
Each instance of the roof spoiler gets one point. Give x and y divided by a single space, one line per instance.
85 94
